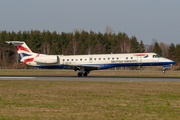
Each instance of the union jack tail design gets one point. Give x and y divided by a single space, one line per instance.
23 50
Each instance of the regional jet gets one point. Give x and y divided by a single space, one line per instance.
86 63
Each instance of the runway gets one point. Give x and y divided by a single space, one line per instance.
91 78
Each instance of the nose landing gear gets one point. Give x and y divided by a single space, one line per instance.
163 71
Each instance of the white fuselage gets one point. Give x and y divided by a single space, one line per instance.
102 60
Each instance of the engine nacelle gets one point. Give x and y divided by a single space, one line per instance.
46 59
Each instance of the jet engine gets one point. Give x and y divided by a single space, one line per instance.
46 59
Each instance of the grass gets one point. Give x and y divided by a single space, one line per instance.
89 100
129 73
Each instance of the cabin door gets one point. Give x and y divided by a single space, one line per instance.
139 60
90 59
155 59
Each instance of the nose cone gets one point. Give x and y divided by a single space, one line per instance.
170 61
173 62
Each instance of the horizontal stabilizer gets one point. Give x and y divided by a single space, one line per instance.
15 42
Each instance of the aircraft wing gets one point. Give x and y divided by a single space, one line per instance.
85 67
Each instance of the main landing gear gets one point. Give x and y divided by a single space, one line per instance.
83 73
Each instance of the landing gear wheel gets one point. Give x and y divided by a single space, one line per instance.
79 74
85 74
163 71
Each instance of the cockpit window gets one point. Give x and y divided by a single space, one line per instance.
156 56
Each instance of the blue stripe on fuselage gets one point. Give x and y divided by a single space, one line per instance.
106 66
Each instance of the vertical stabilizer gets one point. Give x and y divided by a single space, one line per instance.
22 49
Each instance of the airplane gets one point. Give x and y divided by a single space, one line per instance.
87 63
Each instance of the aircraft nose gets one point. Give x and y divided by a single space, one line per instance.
173 62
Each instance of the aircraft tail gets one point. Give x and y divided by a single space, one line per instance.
22 49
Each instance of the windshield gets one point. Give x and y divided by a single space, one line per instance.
156 56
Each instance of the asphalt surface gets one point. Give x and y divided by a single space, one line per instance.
91 78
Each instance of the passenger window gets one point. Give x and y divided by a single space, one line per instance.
67 59
104 58
108 58
117 58
112 58
90 58
76 59
80 59
85 59
94 58
63 59
99 58
126 57
71 59
131 57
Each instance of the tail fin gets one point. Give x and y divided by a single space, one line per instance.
22 49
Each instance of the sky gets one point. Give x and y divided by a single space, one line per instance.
145 19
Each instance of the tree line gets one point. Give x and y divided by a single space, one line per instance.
79 42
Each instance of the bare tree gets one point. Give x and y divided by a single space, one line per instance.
114 49
75 46
72 48
89 49
124 46
78 30
108 30
120 48
128 46
146 48
46 48
99 48
3 58
149 48
164 49
75 30
154 41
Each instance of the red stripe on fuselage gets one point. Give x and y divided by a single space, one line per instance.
28 60
37 55
141 55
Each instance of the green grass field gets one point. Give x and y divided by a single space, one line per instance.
96 100
89 100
